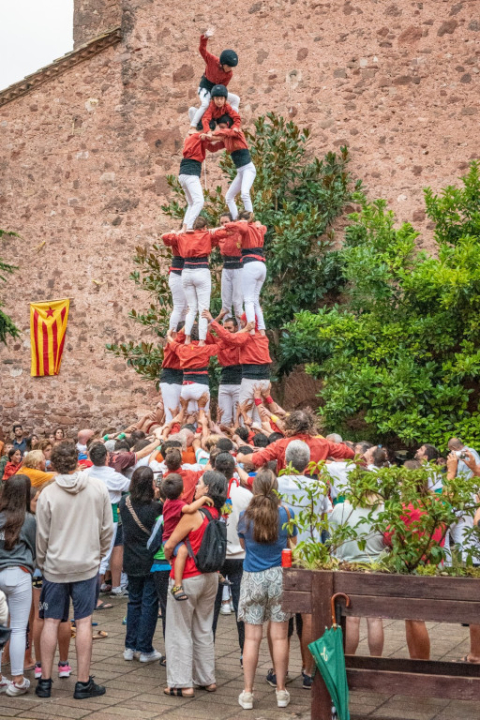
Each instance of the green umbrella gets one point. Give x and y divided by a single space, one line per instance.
329 658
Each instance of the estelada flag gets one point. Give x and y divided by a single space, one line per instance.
48 325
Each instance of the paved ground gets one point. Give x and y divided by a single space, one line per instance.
135 691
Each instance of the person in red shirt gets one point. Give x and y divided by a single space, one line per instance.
236 145
194 359
254 270
195 248
194 149
218 108
218 71
299 425
231 290
171 378
179 301
231 375
254 357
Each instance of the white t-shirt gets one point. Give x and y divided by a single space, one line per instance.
240 498
293 490
115 482
338 471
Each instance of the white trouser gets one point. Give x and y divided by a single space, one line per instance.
179 301
17 586
197 286
246 393
458 533
171 399
253 277
196 114
105 562
242 183
232 292
192 187
193 392
227 402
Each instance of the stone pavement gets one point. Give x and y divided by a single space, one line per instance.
135 691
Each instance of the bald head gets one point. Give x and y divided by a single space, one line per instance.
334 437
455 444
84 436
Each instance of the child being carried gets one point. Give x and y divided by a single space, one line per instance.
173 509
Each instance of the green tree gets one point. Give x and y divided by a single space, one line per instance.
7 326
400 356
297 197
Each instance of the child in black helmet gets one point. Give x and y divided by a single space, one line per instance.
219 107
218 71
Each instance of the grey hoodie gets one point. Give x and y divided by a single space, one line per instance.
74 527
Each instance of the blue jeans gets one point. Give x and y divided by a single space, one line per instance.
142 613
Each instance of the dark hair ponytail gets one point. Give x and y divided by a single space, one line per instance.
262 511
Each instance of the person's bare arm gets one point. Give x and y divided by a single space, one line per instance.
244 477
147 450
196 505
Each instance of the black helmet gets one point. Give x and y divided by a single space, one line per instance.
229 57
219 91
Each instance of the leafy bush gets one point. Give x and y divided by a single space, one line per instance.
7 326
400 357
395 489
297 198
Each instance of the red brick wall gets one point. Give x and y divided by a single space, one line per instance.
84 158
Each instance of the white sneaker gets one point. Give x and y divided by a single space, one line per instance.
16 689
4 684
129 654
150 657
118 592
283 698
245 700
225 608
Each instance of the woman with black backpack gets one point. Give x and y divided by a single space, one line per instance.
139 511
189 636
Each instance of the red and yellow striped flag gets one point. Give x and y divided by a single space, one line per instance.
48 325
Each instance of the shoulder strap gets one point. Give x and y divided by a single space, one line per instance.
207 513
129 505
287 510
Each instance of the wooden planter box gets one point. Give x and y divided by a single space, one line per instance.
398 597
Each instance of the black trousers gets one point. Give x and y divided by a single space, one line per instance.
233 571
161 579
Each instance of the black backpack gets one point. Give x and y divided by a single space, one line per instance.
213 549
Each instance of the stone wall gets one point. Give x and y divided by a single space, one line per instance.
93 17
84 158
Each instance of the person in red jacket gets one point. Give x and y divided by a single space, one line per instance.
236 145
194 359
179 301
299 425
254 358
195 249
194 149
171 378
231 375
254 270
218 108
231 290
218 71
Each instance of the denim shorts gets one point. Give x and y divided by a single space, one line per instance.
55 599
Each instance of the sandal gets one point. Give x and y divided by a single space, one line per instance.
208 688
465 659
163 661
178 592
178 692
100 635
104 605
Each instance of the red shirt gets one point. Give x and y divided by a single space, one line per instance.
411 516
195 149
195 538
231 140
194 356
320 449
253 235
172 513
231 244
213 69
170 357
228 355
122 460
214 113
195 244
253 348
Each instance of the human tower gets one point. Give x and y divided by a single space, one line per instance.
243 354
